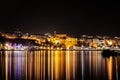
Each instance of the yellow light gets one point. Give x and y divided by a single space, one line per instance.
41 47
56 41
110 42
58 48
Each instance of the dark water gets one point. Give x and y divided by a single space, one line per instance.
58 65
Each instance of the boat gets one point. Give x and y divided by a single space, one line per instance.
108 53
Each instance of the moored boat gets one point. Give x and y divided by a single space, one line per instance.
108 53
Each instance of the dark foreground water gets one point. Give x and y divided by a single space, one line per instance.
58 65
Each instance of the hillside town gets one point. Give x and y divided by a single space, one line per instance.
56 41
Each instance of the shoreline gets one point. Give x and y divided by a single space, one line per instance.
63 50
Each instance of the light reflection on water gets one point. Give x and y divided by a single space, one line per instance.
58 65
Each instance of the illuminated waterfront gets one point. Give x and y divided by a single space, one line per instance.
58 65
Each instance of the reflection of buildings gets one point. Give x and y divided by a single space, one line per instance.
58 65
109 67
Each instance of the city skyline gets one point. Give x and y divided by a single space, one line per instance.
59 40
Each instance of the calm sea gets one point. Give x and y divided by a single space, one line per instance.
58 65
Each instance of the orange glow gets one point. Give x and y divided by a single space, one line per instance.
109 42
67 66
109 66
57 70
6 67
52 66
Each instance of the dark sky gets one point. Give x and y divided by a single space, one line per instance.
74 18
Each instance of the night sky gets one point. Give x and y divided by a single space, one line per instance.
73 18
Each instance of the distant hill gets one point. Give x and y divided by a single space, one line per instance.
2 39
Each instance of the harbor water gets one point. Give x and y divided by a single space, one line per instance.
58 65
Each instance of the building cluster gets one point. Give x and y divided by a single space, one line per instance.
99 42
20 41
